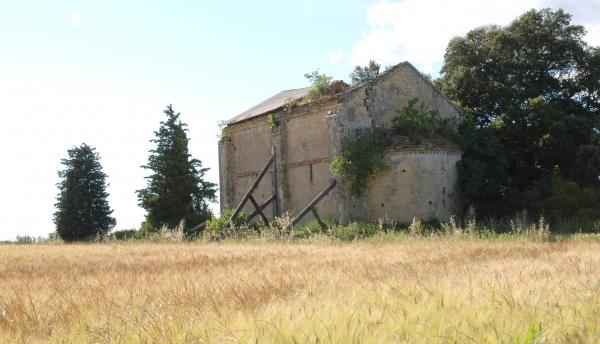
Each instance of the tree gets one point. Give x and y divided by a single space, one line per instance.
176 189
321 84
82 209
364 74
530 92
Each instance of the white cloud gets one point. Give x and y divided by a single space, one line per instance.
75 18
419 30
336 57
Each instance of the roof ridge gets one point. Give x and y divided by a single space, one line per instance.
279 99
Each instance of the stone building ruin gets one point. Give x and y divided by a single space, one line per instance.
306 135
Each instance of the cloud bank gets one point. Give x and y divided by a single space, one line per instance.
419 30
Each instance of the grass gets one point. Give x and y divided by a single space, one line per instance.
388 289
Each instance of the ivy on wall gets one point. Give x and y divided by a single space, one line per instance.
361 156
364 154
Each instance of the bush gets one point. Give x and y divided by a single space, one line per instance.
353 231
218 225
312 228
125 234
273 122
416 119
321 85
361 156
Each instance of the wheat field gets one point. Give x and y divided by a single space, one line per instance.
414 290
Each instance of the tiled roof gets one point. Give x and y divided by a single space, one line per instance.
270 104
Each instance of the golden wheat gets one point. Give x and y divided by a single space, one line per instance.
414 290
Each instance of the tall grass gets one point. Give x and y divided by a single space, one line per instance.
426 288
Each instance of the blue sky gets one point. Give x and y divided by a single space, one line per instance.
101 72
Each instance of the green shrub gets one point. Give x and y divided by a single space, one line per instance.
145 231
217 225
321 85
353 231
416 119
361 156
126 234
273 122
312 228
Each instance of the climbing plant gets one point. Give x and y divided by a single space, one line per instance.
361 156
273 122
364 154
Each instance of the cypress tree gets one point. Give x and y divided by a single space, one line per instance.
176 189
82 209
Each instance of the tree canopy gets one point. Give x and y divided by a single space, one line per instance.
82 209
176 189
364 74
531 98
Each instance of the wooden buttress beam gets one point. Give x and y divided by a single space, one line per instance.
312 204
251 190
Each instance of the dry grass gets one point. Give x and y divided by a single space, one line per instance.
414 290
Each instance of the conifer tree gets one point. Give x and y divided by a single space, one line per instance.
82 209
176 189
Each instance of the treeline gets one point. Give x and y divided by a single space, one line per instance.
530 132
176 193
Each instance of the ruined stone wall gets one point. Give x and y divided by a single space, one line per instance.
308 160
419 184
243 152
309 136
302 160
427 176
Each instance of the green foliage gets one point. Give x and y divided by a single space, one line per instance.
361 156
82 209
273 122
320 85
365 74
531 96
353 231
416 119
559 198
125 234
176 189
217 225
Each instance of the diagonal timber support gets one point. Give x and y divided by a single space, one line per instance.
248 196
311 207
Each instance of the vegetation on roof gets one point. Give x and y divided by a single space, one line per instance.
320 85
365 74
364 154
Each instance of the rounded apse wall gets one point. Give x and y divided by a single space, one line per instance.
418 184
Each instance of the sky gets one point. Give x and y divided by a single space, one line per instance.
102 72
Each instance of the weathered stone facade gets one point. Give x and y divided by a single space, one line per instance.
420 183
